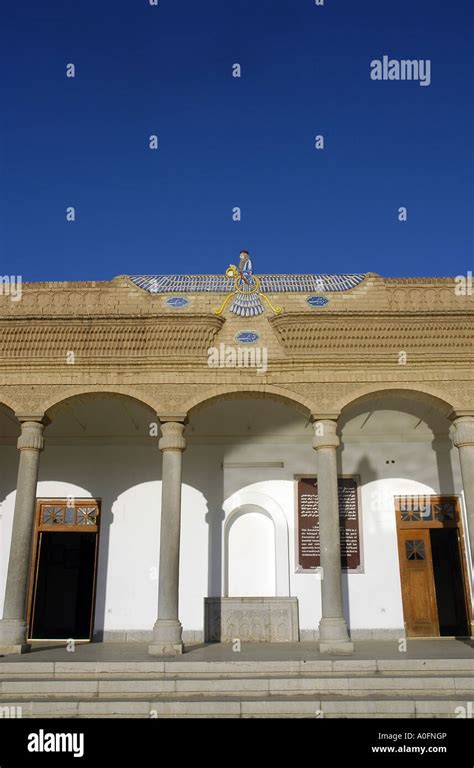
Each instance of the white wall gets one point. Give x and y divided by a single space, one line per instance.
127 478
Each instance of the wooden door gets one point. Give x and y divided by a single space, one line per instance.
61 602
418 588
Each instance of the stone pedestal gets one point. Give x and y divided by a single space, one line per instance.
333 634
251 619
167 631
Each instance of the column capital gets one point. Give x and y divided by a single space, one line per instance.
32 416
464 433
325 434
326 416
31 437
173 416
172 436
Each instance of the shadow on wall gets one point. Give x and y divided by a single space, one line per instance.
367 474
205 475
442 448
202 471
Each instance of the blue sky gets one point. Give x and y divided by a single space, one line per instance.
227 142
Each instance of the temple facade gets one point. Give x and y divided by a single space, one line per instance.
236 457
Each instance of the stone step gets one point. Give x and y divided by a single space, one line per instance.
266 708
357 686
150 669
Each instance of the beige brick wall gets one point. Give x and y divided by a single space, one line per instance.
128 341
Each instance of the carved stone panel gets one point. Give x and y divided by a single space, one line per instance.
251 619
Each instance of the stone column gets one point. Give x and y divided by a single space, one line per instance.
464 440
333 635
167 632
13 629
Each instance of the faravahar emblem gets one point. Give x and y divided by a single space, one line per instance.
246 294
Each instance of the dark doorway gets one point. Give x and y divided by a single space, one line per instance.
64 589
448 579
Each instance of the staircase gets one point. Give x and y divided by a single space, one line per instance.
410 688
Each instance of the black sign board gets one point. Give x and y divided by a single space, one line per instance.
308 523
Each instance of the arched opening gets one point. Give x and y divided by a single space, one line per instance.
399 444
250 554
269 393
270 547
74 395
100 461
243 454
373 396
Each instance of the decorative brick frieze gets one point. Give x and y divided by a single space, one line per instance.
98 339
376 336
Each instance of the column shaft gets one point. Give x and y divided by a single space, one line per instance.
464 440
329 536
170 536
13 629
333 634
167 632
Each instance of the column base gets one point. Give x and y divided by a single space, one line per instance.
13 634
334 637
7 649
167 638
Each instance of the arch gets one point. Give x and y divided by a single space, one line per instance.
10 426
9 404
55 404
232 508
255 391
367 394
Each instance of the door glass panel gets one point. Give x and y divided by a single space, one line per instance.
416 509
52 515
87 515
445 511
415 549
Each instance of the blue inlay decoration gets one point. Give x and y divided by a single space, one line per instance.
317 301
247 337
177 302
